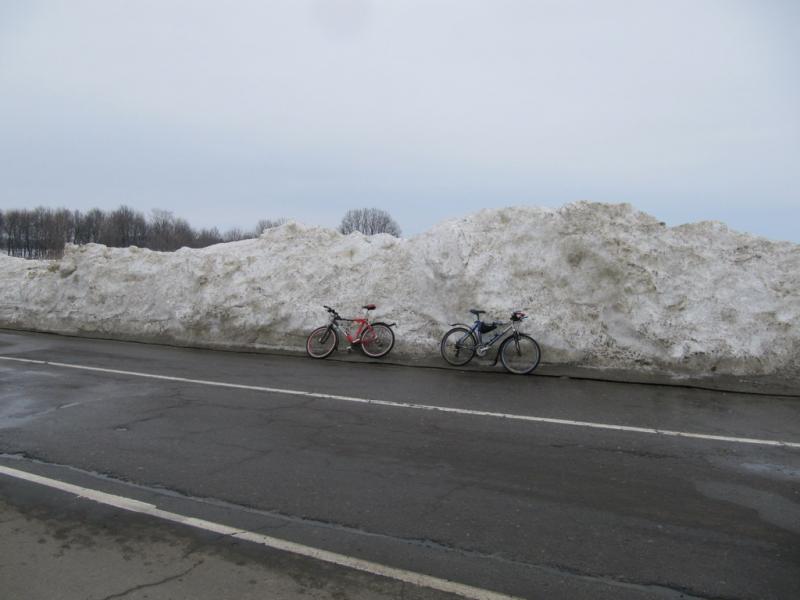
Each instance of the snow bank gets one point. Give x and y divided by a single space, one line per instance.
605 285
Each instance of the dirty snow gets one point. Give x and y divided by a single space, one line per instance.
605 285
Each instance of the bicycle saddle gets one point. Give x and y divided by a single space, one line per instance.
476 312
369 306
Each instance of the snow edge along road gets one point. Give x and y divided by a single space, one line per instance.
415 406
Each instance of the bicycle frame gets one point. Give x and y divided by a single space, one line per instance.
376 339
363 327
482 346
475 330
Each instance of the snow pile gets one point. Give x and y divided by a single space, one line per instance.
605 286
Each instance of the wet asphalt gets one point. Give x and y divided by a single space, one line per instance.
536 510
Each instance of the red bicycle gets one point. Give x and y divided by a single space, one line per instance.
375 339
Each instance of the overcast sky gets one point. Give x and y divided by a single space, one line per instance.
227 112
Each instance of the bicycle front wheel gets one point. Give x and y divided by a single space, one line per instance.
458 346
322 342
520 354
378 340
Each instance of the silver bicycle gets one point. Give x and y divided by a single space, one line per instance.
519 352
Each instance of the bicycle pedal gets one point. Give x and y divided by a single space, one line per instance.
348 349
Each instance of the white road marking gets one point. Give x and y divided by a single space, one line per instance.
430 407
343 560
70 405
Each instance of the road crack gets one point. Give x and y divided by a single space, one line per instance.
154 583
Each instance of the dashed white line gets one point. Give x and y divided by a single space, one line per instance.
136 506
411 405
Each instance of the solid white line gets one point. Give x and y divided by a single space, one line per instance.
444 409
129 504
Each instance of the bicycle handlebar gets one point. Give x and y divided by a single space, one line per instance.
332 311
516 316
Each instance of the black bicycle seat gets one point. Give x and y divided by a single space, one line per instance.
476 312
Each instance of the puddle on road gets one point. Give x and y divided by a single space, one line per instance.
19 413
772 508
17 409
772 470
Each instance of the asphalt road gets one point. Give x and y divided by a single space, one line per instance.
516 489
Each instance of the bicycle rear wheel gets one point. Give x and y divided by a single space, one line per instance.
458 346
322 342
378 341
520 354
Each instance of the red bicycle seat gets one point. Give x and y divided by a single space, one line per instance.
369 306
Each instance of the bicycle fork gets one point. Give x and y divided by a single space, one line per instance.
516 343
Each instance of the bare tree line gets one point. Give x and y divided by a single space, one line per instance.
369 221
42 232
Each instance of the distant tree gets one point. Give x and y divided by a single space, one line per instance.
265 224
124 227
183 234
43 232
369 221
25 234
50 230
77 227
236 234
88 226
161 230
207 237
11 232
40 231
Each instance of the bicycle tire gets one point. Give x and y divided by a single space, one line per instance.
379 341
527 366
461 350
326 337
